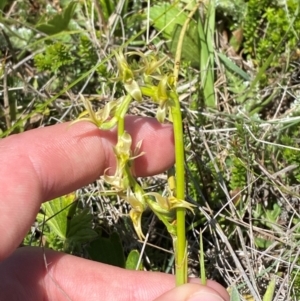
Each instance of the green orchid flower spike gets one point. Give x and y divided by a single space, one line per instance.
148 80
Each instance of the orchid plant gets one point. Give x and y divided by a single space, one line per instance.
149 82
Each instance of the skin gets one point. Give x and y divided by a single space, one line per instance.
45 163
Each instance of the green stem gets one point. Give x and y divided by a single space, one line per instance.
202 265
180 242
121 112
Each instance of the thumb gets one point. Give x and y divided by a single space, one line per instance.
191 292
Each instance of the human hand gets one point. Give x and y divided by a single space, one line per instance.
45 163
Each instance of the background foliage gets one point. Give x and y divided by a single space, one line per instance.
242 145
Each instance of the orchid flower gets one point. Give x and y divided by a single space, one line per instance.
102 118
138 206
151 66
124 157
164 206
161 95
127 77
122 180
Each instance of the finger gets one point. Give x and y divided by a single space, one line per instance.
42 164
63 279
191 292
213 285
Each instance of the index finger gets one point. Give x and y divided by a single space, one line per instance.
42 164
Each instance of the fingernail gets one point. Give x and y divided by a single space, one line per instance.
204 296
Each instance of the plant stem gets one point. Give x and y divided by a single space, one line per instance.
120 114
180 242
202 266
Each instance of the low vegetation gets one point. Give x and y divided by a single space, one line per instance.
239 90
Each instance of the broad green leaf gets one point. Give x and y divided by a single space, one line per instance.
57 214
79 228
166 17
70 227
59 22
190 50
169 20
133 260
107 250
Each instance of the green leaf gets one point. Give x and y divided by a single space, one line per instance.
166 17
57 213
70 227
271 216
133 260
234 296
190 51
233 67
257 212
169 20
108 8
107 250
59 22
262 243
79 228
268 296
205 30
